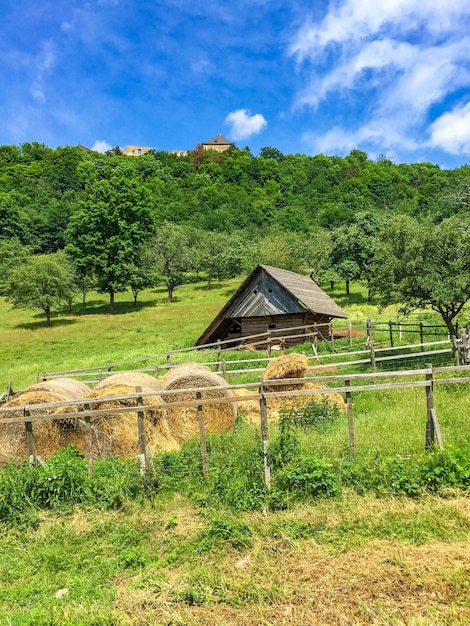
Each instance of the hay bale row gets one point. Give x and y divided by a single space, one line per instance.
116 433
166 427
183 421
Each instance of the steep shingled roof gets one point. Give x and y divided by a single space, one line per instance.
218 141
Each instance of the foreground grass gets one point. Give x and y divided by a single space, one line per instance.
354 560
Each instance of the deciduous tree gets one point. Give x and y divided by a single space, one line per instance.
42 282
105 236
424 265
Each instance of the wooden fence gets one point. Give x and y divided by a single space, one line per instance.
371 357
348 385
313 334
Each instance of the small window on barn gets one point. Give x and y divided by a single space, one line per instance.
270 290
271 326
255 291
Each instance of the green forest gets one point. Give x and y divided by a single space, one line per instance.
73 221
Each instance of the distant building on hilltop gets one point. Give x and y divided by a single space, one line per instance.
135 150
180 153
219 144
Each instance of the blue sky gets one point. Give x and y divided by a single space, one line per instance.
388 77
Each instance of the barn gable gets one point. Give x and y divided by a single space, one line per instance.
271 296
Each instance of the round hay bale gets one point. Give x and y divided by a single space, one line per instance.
136 379
117 433
69 387
276 404
47 435
291 365
184 420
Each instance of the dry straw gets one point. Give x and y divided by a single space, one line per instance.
184 420
249 408
47 434
293 366
117 433
137 379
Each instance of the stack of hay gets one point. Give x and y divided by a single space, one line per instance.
117 433
47 434
184 420
294 366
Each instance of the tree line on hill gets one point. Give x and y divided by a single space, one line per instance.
72 221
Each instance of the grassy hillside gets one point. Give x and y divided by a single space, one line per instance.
91 336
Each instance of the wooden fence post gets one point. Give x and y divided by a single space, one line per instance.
368 332
332 336
350 333
30 439
202 437
430 431
464 341
88 440
314 340
390 326
110 367
372 358
219 348
224 369
421 336
268 345
349 408
141 431
263 411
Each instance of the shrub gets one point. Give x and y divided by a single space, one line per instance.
308 477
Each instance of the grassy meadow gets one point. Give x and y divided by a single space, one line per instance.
381 539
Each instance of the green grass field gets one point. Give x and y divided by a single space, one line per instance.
383 539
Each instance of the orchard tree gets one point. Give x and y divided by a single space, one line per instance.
219 254
12 254
167 256
105 235
354 246
424 265
42 282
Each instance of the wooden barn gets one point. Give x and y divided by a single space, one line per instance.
268 300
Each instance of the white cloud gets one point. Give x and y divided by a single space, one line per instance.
354 20
244 124
101 145
451 131
390 61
